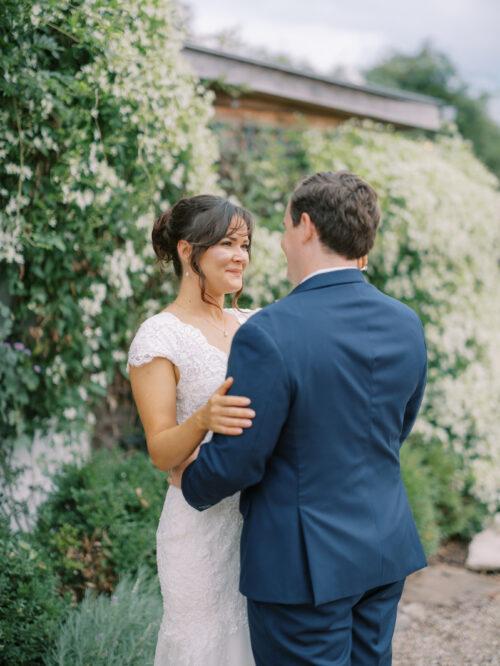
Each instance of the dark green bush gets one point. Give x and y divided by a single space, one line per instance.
438 488
459 513
100 520
31 608
418 482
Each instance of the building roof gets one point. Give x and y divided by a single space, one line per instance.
325 93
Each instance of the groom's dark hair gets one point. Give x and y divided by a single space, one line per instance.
343 208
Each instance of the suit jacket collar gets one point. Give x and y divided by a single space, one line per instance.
330 279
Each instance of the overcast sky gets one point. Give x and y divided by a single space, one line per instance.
357 33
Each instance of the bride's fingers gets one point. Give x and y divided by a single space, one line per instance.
229 431
236 412
233 400
234 423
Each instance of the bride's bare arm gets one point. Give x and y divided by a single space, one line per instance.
169 444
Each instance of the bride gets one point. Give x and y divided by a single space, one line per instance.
177 364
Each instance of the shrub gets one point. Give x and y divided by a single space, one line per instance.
458 512
418 483
120 630
31 608
100 520
440 496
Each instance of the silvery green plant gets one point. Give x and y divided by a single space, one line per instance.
120 629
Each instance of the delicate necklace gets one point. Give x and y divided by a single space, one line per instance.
222 330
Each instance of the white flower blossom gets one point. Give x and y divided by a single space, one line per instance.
119 355
70 413
91 307
99 378
120 265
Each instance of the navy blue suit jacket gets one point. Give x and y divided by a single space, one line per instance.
336 373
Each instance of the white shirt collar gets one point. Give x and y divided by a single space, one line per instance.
328 270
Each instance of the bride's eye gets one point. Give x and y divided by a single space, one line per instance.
226 242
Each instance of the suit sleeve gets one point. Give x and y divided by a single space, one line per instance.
413 405
226 463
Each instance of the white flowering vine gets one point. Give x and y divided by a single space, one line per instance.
102 125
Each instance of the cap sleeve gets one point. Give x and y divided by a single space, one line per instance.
155 337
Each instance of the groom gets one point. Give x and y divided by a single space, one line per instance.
336 373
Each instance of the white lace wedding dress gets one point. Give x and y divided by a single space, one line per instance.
204 615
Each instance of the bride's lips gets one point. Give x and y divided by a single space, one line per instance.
234 271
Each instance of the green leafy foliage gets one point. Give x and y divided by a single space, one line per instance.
418 479
100 520
19 381
31 608
101 126
439 490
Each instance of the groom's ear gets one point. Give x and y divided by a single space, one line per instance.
309 231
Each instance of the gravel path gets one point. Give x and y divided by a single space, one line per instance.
448 616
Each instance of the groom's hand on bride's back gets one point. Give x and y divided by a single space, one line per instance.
226 414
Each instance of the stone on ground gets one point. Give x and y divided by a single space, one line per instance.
484 549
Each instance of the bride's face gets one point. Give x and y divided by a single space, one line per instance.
224 263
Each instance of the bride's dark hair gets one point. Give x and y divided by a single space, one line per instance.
203 221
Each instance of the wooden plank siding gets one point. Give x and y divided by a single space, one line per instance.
271 94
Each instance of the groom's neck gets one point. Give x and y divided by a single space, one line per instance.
324 263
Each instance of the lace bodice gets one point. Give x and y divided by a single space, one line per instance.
204 619
202 366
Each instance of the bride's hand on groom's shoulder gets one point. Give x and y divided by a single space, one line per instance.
226 414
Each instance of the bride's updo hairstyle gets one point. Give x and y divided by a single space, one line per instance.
202 221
